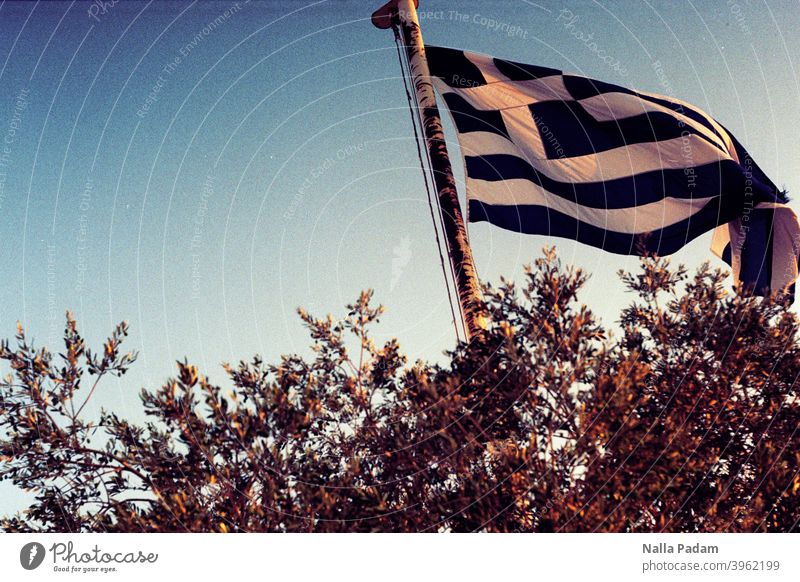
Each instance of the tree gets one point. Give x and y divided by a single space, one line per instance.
688 421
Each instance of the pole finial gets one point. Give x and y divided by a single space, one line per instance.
382 17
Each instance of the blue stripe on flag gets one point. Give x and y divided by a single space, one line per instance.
713 179
534 219
453 67
522 72
468 119
756 256
580 134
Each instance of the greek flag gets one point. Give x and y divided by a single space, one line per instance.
629 172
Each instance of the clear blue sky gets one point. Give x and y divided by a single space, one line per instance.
203 168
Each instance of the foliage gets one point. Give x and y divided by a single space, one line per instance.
688 421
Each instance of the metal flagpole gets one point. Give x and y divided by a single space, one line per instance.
466 280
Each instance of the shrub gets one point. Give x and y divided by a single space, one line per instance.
688 421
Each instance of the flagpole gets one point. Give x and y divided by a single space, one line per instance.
404 12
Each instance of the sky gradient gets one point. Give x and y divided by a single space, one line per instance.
202 169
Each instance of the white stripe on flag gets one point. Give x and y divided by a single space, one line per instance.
633 220
617 106
620 162
504 95
785 246
721 130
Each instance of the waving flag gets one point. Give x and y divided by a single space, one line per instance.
626 171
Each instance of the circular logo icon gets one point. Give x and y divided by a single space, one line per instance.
31 555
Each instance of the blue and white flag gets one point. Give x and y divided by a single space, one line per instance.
551 153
